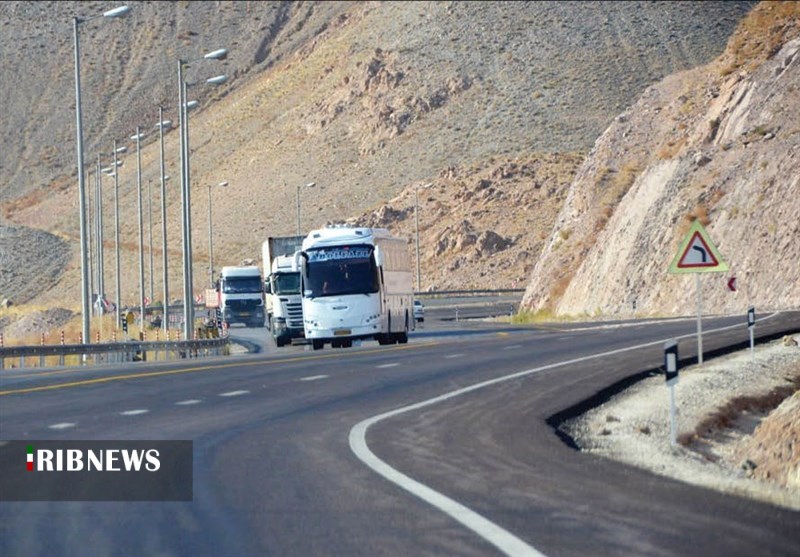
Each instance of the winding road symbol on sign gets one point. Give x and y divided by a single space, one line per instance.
698 254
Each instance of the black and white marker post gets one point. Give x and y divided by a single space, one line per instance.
751 324
671 367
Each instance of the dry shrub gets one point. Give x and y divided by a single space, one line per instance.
626 177
560 286
671 149
716 195
698 213
760 35
725 416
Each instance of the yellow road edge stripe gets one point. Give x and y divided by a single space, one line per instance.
143 375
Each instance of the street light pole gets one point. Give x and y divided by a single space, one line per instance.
116 236
94 236
187 288
188 216
210 243
150 232
188 298
416 220
101 262
138 138
81 191
165 320
91 223
116 12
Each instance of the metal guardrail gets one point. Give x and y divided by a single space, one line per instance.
435 293
113 352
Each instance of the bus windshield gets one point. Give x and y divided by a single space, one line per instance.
241 285
341 270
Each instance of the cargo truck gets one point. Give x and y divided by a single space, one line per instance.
282 288
241 296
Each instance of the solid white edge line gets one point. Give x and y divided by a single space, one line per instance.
502 539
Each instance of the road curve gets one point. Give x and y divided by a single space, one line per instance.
275 475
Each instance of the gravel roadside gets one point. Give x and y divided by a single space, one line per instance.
731 435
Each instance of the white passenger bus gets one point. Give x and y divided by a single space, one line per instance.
356 284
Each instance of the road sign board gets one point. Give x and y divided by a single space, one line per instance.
697 253
212 298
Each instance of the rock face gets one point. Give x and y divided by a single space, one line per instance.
480 226
721 144
31 261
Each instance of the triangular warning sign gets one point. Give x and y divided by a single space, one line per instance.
697 253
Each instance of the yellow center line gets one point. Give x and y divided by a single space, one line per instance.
144 375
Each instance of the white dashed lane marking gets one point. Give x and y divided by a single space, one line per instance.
383 366
188 402
454 356
234 393
512 347
63 425
313 377
134 412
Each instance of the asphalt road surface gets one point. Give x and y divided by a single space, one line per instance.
438 447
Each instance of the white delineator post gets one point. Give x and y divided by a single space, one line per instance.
671 374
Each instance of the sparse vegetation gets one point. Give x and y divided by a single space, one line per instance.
672 148
698 213
760 35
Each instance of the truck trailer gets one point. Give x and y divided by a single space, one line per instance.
282 288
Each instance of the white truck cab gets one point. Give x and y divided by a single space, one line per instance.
241 296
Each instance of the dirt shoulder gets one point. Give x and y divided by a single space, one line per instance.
738 425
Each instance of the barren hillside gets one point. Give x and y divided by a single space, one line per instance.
365 99
720 143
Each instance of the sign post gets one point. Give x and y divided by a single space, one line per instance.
698 254
671 368
751 325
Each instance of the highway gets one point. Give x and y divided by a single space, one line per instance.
438 447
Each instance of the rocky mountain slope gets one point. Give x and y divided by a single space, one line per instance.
365 99
720 143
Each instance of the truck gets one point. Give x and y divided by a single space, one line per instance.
282 288
241 296
356 285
